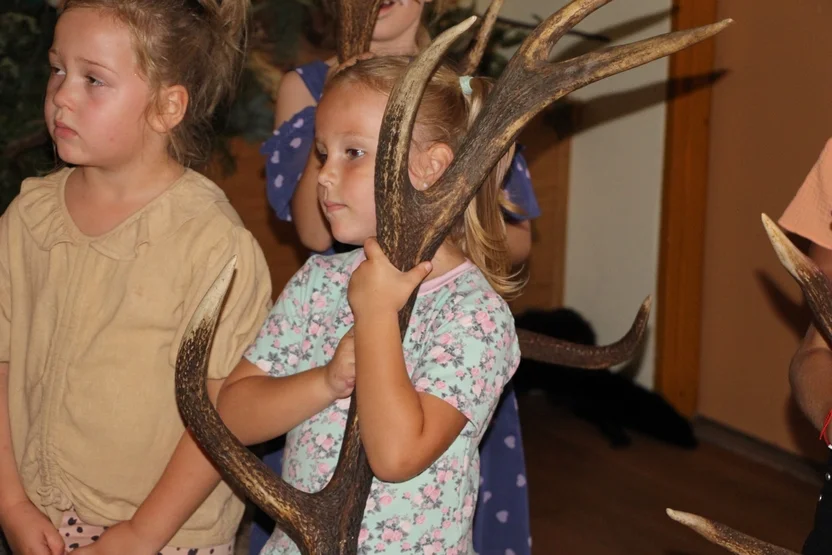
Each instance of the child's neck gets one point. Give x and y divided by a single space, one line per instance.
100 199
135 182
447 257
404 45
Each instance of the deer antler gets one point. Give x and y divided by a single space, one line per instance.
540 347
813 282
477 48
815 286
317 523
730 539
354 29
411 226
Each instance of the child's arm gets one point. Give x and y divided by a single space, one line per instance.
26 528
518 187
292 97
403 431
11 490
808 215
519 235
188 480
257 407
810 372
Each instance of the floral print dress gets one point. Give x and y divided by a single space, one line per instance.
501 525
460 347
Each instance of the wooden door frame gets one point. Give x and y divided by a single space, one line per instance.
684 204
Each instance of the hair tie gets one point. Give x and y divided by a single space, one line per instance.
465 85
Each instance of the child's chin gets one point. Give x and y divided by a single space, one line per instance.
347 238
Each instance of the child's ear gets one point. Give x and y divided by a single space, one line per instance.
171 108
431 164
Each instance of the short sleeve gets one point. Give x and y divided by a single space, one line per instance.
5 291
470 358
286 154
518 187
809 214
280 346
246 303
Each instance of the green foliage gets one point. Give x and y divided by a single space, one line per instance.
25 37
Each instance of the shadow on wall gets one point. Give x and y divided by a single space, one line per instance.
804 434
614 33
797 317
588 114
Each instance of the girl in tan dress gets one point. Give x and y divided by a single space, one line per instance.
102 264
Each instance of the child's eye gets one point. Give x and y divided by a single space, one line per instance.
355 153
57 71
94 82
321 156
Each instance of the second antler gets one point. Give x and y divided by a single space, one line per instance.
818 294
411 226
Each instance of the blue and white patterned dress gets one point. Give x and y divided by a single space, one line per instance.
501 523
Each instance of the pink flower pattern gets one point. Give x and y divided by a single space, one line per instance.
461 347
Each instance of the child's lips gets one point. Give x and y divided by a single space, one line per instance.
63 131
386 6
331 207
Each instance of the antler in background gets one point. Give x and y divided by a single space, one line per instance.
355 31
813 282
730 539
815 286
543 348
473 57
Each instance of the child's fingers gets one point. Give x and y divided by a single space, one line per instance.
416 275
372 249
55 543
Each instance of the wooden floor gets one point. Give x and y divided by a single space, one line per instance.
589 499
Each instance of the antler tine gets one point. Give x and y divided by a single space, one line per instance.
239 466
527 86
813 282
475 52
730 539
547 349
395 196
354 28
539 43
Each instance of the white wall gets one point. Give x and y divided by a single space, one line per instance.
612 244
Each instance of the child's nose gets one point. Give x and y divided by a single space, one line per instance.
62 98
326 175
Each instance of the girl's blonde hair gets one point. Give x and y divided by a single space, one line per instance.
445 116
199 44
